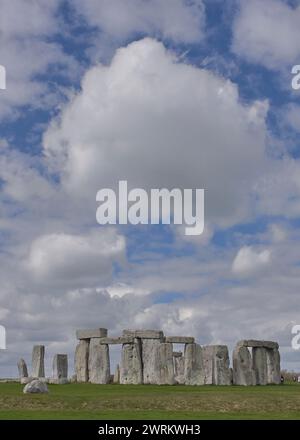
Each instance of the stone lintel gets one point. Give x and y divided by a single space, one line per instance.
120 340
91 333
180 339
255 343
144 334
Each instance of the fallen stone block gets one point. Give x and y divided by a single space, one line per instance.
36 387
91 333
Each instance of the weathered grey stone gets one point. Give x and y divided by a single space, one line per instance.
116 378
144 334
177 353
38 355
99 364
193 365
36 386
259 359
166 366
60 368
91 333
216 365
22 367
25 380
273 366
61 381
256 343
73 378
222 373
178 361
131 371
113 341
180 339
151 361
208 361
243 373
81 361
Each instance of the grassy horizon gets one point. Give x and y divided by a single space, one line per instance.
133 402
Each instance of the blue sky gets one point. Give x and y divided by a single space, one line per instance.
165 94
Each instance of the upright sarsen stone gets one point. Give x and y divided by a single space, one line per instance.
165 363
38 355
178 361
216 365
193 365
243 373
60 368
22 367
81 361
221 371
99 363
259 359
273 366
151 361
131 371
117 374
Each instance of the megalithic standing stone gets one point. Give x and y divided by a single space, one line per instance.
178 360
165 364
259 358
273 366
243 373
222 372
81 361
216 365
60 367
22 367
38 355
193 365
131 370
99 362
151 361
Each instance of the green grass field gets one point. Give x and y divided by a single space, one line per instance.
86 401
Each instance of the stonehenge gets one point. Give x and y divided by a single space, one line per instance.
147 357
261 367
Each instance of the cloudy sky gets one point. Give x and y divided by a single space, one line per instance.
172 93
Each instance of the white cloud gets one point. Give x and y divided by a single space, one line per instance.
176 20
267 32
75 259
27 52
249 261
150 119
